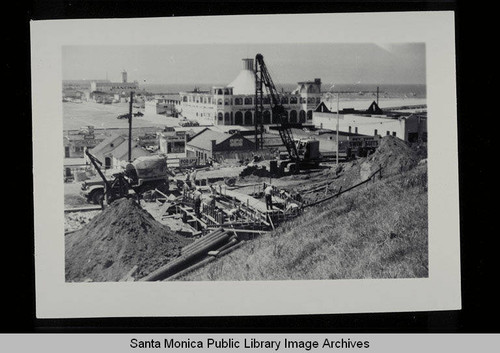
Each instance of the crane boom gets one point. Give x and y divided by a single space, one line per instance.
263 78
97 163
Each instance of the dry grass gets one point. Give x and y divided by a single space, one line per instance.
376 231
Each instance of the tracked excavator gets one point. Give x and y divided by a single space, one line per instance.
301 153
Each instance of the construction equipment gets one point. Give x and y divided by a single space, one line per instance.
139 176
302 153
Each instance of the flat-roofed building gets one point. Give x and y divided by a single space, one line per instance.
164 105
123 88
408 127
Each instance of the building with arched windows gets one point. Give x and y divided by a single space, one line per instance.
234 104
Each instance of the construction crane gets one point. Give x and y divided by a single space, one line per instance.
302 154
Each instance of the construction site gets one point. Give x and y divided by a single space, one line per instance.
156 222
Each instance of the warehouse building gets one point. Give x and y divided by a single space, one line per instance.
209 145
409 127
234 104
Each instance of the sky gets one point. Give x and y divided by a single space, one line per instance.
370 63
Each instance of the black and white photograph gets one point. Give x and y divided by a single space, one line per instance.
245 162
248 167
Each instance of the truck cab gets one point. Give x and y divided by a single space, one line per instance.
93 190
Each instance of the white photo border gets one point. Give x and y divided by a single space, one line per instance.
440 291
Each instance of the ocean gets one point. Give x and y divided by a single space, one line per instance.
392 90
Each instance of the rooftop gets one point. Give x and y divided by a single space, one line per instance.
106 142
121 151
204 139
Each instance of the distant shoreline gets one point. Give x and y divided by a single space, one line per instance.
392 90
104 116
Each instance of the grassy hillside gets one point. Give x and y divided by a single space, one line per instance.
376 231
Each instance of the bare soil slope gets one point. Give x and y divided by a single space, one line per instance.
121 237
393 155
376 231
379 230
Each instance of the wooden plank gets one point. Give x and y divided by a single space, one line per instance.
235 223
193 215
271 221
72 231
246 199
210 218
249 231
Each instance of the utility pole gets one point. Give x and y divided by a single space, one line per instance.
337 154
130 127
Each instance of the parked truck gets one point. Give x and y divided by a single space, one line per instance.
141 175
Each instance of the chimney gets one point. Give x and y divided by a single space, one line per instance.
124 76
248 64
317 81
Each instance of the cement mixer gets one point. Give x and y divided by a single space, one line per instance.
139 176
148 173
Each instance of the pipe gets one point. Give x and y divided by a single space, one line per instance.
201 245
199 241
83 209
205 261
231 242
182 261
215 231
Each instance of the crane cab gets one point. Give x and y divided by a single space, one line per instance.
308 153
308 149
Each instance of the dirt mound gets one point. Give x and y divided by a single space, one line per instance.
121 237
76 220
393 155
257 170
